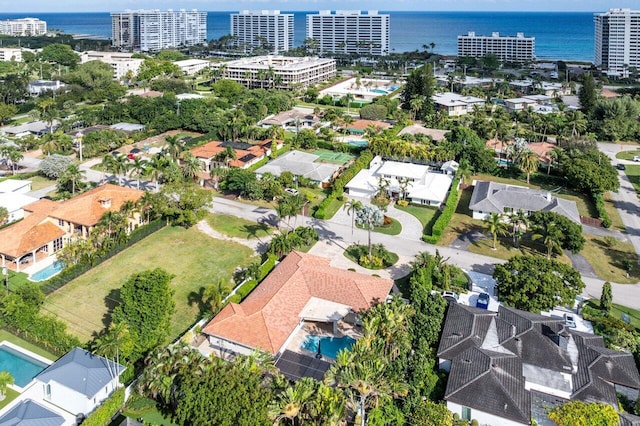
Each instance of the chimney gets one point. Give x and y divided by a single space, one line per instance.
105 202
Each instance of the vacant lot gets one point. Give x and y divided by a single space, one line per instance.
233 226
195 259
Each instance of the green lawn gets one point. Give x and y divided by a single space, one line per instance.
333 208
633 173
5 335
618 310
40 182
16 279
394 228
195 259
424 214
607 261
10 396
627 155
233 226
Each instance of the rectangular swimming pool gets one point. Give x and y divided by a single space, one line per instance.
48 272
22 367
329 346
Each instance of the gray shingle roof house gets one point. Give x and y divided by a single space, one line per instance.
492 197
30 413
499 361
79 381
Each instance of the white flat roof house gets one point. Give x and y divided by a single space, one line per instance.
15 185
301 164
192 66
424 187
13 202
122 63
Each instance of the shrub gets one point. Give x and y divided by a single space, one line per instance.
103 414
610 241
602 211
402 203
445 216
54 165
380 256
373 112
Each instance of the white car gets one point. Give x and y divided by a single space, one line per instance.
291 191
636 158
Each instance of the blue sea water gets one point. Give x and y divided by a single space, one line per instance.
559 35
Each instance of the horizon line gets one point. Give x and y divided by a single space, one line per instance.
315 10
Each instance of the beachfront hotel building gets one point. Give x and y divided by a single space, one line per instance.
280 72
516 48
153 30
255 28
617 41
23 27
349 32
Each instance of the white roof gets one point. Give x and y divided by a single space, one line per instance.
520 101
190 62
406 170
12 185
13 201
538 97
318 309
300 164
434 187
364 181
454 99
183 96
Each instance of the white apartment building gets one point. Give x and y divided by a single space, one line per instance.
260 27
11 54
282 72
122 63
350 31
192 66
617 41
153 30
23 27
508 48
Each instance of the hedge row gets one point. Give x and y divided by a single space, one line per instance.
339 184
443 220
602 211
73 272
104 413
248 286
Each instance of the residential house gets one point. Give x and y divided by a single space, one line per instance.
360 126
16 186
128 127
492 197
14 203
302 164
67 390
38 87
36 128
417 182
542 149
48 225
192 66
301 289
293 120
246 154
436 135
519 104
504 367
455 105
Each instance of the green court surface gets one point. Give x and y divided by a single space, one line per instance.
332 157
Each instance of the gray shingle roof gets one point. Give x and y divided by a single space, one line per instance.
466 329
81 371
30 413
627 419
493 197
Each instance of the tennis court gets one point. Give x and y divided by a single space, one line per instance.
332 157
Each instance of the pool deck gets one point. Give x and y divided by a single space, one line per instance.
320 329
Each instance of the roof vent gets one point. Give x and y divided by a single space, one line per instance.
105 202
466 361
456 334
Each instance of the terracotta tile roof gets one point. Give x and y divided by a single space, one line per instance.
87 209
541 148
363 124
151 94
243 156
43 205
267 317
497 145
208 150
29 234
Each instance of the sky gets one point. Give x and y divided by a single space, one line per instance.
33 6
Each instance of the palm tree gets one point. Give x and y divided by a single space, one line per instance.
416 104
554 156
519 220
352 206
495 226
214 295
191 166
116 341
74 175
293 401
528 162
550 234
120 166
369 217
155 168
6 379
174 146
139 168
348 98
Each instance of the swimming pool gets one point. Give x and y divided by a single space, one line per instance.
384 92
503 162
358 143
22 367
329 346
48 272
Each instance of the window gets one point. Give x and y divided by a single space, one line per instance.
60 222
57 244
466 413
47 391
508 210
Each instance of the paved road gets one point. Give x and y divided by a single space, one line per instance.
335 236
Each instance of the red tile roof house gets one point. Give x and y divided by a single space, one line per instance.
48 225
251 154
302 287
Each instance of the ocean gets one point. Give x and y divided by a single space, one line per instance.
559 35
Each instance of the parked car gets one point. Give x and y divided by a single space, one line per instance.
620 166
636 158
569 320
291 191
450 295
483 301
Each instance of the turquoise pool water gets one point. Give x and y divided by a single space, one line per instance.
384 92
48 272
22 367
329 346
503 162
358 143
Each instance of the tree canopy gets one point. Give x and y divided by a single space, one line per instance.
61 54
533 283
578 413
571 237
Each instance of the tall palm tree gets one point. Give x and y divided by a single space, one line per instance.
155 167
519 220
528 162
6 379
116 341
191 166
73 174
550 234
120 166
215 294
496 226
138 169
174 146
369 217
352 206
348 98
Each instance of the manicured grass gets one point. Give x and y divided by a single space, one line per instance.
627 155
394 228
145 408
424 214
505 249
5 335
233 226
461 221
614 214
195 259
618 310
40 182
351 254
10 395
16 279
633 173
333 208
607 261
